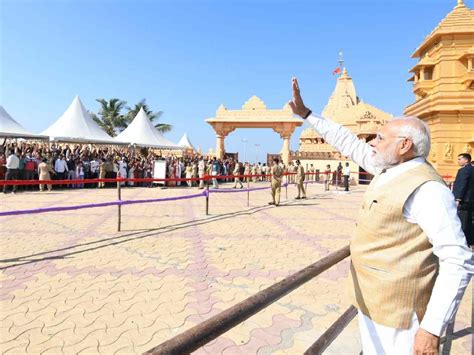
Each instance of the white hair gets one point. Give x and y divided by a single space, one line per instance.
419 133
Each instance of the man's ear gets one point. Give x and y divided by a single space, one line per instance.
406 147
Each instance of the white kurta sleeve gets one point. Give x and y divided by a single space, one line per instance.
432 207
344 141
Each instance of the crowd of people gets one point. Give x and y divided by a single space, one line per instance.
44 161
25 160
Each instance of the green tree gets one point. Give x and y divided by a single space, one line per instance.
153 116
109 117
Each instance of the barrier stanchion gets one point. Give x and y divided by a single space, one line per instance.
119 207
248 192
286 186
207 197
337 181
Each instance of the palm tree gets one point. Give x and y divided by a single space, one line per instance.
153 116
109 117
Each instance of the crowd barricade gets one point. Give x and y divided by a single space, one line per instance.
120 202
289 177
119 181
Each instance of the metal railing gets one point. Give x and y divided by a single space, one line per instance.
210 329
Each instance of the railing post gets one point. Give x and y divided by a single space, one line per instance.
207 197
248 192
332 332
119 210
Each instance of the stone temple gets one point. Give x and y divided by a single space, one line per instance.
443 84
347 109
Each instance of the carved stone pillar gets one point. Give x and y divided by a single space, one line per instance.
285 131
285 152
222 130
220 146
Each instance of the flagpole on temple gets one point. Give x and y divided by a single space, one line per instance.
341 63
340 68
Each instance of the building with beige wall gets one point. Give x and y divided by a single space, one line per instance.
443 84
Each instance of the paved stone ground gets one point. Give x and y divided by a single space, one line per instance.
72 284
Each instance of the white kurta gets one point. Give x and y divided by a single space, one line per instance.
122 170
433 208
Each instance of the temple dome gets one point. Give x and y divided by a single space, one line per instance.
459 20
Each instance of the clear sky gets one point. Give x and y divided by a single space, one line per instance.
188 57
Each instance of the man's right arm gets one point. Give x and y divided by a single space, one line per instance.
336 135
344 141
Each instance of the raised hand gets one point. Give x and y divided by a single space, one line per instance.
297 105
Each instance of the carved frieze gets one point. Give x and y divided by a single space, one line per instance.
448 151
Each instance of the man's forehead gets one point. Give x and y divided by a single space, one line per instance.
390 127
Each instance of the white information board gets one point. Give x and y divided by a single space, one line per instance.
159 171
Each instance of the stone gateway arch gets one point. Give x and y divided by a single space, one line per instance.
254 114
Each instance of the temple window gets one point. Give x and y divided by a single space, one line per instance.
428 73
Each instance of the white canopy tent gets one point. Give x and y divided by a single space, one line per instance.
141 132
185 142
76 125
9 128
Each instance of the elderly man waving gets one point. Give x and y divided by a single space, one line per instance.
410 262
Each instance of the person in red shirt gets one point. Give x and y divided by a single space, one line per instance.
3 169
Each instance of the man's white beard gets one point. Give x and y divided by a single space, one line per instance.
387 159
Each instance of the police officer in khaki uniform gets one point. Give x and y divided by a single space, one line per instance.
300 180
236 174
277 174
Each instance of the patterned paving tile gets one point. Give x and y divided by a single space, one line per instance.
72 284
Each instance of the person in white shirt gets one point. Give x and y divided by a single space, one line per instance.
60 167
94 166
122 168
401 148
12 165
201 172
178 172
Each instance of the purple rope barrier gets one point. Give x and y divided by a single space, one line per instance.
56 209
131 202
95 205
